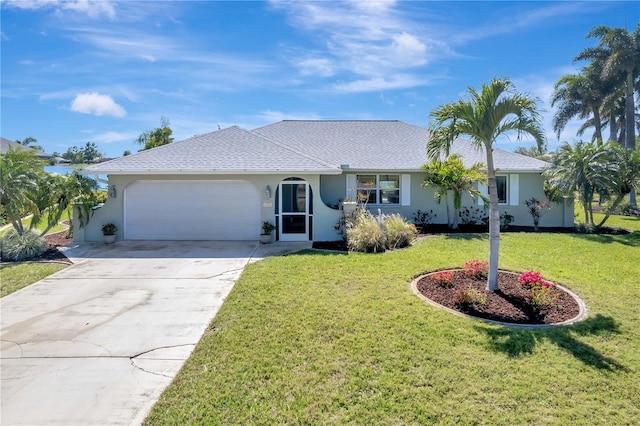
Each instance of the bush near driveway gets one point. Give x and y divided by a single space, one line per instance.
317 338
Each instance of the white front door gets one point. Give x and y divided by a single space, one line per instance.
294 211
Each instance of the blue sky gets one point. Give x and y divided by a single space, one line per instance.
106 71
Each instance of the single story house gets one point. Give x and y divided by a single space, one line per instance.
6 144
294 174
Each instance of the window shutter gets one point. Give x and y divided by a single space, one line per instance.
351 187
484 190
405 190
514 190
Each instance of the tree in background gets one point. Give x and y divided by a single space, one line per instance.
156 137
618 51
28 141
85 154
90 152
451 176
585 168
540 153
579 95
494 111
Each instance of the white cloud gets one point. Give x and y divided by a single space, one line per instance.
91 8
321 67
97 104
111 136
371 41
270 116
397 81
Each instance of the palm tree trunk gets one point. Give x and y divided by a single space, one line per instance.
446 203
613 126
494 223
630 132
597 122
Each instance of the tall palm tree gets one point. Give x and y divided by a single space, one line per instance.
452 176
579 95
619 50
494 111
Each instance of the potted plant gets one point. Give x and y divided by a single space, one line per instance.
109 232
267 229
348 205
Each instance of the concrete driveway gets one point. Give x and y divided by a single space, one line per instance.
98 342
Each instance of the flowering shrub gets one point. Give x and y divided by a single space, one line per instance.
541 292
536 209
444 278
530 278
476 268
469 297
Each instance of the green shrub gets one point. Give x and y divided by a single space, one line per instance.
364 233
469 297
22 247
400 233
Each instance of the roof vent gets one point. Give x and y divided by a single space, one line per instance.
344 166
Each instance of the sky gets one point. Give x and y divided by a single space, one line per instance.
104 71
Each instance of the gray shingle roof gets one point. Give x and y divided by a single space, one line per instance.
304 146
231 150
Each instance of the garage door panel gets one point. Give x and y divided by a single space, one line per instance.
192 210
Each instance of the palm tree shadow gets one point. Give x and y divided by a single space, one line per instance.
468 236
516 342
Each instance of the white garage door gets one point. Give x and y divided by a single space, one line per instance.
191 210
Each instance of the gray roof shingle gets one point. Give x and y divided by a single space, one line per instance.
304 146
231 150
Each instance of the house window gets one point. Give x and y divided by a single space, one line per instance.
378 189
501 183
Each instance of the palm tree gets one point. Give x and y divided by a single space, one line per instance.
495 111
586 168
452 176
626 178
26 189
619 50
579 95
20 172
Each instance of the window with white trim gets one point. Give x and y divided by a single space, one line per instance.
378 189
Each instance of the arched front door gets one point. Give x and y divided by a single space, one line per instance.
294 210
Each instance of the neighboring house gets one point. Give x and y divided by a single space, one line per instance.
5 144
222 185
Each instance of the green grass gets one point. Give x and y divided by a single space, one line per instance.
15 276
316 338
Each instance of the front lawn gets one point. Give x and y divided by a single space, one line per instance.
318 338
18 275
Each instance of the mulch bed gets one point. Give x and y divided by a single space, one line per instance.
509 304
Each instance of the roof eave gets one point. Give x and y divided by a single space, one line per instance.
208 172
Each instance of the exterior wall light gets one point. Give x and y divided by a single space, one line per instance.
112 191
267 192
